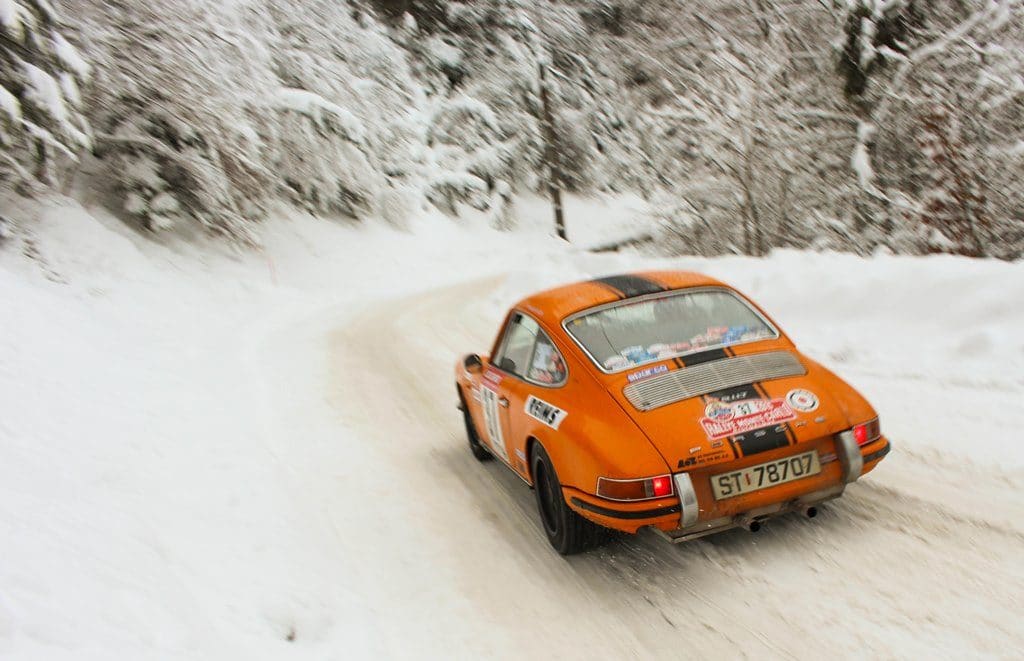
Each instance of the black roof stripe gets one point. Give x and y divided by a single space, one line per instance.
628 286
703 357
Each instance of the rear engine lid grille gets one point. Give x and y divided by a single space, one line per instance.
701 379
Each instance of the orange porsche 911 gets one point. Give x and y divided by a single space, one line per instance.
663 400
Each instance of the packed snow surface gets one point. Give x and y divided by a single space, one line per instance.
212 455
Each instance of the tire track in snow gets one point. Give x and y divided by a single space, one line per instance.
886 568
429 383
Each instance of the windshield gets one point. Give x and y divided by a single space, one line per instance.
643 331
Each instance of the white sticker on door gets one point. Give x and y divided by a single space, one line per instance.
549 414
489 399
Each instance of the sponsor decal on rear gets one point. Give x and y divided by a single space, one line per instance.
802 400
549 414
704 458
492 376
647 373
723 419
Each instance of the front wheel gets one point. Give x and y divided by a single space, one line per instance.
567 531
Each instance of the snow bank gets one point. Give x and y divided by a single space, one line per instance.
141 509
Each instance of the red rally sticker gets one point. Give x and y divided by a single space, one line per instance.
723 419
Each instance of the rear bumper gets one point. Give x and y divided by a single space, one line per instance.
854 461
702 528
625 515
873 453
682 517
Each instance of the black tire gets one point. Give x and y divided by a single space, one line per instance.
567 531
479 451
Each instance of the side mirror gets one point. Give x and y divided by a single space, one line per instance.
473 364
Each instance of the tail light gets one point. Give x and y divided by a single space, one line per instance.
640 489
661 486
867 432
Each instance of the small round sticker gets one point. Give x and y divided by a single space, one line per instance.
716 410
802 400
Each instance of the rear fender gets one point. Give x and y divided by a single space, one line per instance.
850 402
592 446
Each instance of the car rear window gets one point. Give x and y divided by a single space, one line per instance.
639 331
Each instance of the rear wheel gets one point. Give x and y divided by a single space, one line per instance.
479 451
567 531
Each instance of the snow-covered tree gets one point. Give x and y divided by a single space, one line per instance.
747 141
749 124
948 117
180 123
41 75
953 198
875 33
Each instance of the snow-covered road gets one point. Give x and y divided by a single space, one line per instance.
205 455
921 557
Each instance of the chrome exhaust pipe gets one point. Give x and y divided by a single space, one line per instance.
811 512
754 526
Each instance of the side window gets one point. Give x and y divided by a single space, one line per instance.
518 344
547 365
526 351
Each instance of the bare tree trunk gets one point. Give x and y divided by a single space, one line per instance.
42 172
551 155
963 193
783 231
972 224
755 219
753 241
748 243
964 198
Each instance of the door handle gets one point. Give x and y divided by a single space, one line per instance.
504 402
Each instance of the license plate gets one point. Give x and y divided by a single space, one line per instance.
769 474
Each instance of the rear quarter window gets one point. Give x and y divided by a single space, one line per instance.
528 352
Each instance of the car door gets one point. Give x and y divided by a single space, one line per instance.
527 361
513 348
